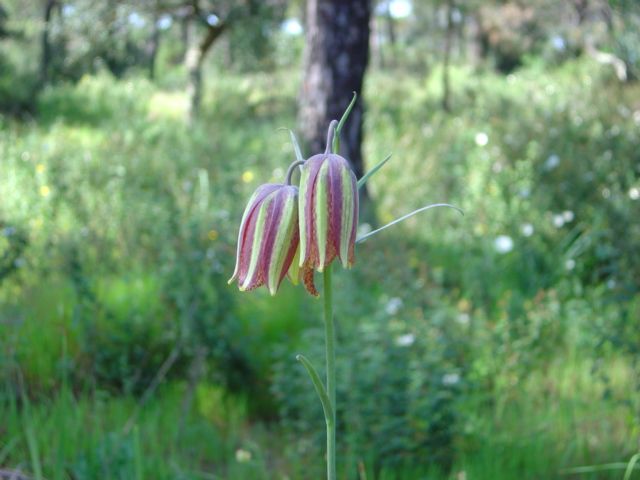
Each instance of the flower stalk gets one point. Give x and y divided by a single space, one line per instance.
330 347
291 230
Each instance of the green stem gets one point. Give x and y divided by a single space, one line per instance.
331 373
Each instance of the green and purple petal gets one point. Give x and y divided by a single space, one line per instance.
328 206
268 238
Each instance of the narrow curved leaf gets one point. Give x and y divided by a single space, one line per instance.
404 217
296 146
319 386
345 115
370 173
631 466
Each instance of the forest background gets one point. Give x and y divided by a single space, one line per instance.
499 345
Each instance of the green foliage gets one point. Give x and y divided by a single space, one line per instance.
17 85
251 40
397 391
555 174
508 32
69 440
626 40
500 344
131 228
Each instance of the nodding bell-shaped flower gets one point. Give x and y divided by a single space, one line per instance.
328 206
268 238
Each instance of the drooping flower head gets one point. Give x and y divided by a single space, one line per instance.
328 208
268 238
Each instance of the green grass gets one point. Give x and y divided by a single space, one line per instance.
547 427
86 437
118 225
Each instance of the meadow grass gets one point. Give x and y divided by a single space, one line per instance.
127 210
552 428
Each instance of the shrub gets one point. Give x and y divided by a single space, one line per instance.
400 378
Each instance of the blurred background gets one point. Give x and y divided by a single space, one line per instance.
499 345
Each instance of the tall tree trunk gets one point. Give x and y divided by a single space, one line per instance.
194 61
607 15
377 40
186 27
448 40
475 49
336 58
459 37
391 33
582 9
45 59
4 16
154 42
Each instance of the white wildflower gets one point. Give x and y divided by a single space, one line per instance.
406 340
503 244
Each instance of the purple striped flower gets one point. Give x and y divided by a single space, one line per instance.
268 238
328 208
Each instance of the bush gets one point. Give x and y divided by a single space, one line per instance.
400 377
131 230
17 88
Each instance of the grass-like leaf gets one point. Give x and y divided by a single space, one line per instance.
6 450
366 176
296 146
345 115
631 466
319 386
604 467
404 217
294 141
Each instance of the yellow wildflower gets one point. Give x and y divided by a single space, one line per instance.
247 176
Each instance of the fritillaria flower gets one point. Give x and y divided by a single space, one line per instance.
283 230
268 238
328 207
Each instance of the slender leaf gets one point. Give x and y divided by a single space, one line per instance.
294 141
6 450
320 390
599 468
631 466
370 173
404 217
345 115
296 146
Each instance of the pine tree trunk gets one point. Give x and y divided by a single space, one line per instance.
194 61
45 59
4 16
391 33
186 27
448 39
336 58
154 43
